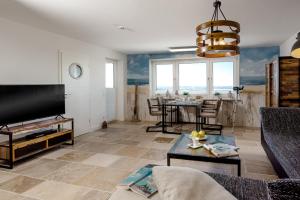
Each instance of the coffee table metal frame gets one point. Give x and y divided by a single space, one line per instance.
225 160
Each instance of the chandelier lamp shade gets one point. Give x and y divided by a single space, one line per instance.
296 48
218 38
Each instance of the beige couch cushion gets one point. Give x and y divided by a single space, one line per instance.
122 194
183 183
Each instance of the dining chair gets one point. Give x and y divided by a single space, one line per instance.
210 110
155 109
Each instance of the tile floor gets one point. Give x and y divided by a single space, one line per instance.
91 169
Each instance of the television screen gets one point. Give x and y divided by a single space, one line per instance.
19 103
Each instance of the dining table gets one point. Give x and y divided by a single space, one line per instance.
169 106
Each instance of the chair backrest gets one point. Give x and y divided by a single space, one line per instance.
210 103
153 105
219 103
212 106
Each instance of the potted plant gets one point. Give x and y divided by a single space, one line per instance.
186 95
218 95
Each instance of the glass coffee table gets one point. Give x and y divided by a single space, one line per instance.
180 150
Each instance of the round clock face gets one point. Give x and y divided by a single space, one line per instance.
75 70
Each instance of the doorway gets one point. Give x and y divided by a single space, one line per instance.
111 90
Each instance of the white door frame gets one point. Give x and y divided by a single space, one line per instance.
116 88
60 77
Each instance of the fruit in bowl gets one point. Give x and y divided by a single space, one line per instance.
201 134
194 134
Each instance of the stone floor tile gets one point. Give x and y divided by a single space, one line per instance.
155 154
125 163
101 160
51 190
5 195
40 168
70 173
55 153
132 151
20 184
100 147
5 176
163 140
104 179
76 156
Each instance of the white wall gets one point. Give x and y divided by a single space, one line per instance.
30 56
285 47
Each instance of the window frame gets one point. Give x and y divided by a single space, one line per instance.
209 72
113 62
192 61
153 74
236 71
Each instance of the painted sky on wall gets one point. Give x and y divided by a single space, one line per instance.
252 65
138 66
138 69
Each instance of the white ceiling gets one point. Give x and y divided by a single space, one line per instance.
156 24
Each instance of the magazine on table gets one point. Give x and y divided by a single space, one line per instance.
140 182
222 150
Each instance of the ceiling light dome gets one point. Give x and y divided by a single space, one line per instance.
218 38
296 48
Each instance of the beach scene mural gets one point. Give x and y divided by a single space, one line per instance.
138 69
252 75
252 64
138 65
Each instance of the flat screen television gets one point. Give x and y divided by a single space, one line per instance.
19 103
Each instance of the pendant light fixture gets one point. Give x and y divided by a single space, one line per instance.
296 48
218 38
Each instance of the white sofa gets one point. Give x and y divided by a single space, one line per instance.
121 194
180 183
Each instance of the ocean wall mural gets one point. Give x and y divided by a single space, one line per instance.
138 69
252 65
138 66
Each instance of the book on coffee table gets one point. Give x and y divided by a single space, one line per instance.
222 150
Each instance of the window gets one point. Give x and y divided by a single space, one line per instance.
196 76
192 77
223 77
109 75
164 78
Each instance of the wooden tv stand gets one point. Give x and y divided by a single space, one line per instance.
14 150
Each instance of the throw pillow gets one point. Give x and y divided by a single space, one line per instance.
183 183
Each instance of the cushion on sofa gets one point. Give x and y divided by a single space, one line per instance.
285 189
183 183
